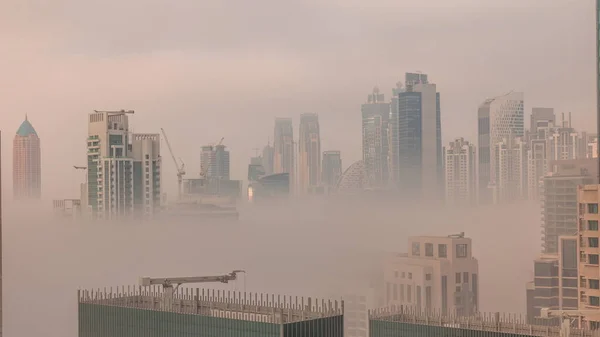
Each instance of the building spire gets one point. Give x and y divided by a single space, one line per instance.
26 117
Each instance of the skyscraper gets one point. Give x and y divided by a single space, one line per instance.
393 136
375 119
309 153
332 168
510 170
461 174
27 166
420 139
110 167
146 173
542 124
267 159
498 118
283 156
214 161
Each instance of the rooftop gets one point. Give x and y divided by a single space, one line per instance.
26 129
505 324
215 303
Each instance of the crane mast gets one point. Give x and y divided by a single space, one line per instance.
180 169
171 284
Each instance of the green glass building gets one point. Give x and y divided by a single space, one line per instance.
406 322
138 312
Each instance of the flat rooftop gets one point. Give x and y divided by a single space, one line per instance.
505 324
267 308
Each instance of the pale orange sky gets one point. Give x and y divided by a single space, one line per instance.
206 70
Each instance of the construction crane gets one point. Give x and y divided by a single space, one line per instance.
568 316
180 169
79 167
117 112
221 141
171 284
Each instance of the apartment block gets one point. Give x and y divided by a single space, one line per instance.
555 280
461 175
438 274
589 252
559 201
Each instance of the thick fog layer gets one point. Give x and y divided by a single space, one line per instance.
296 250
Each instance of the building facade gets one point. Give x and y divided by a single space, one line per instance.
110 167
267 159
510 170
589 250
27 163
559 202
283 144
375 139
147 165
460 173
332 168
214 160
420 139
309 153
401 321
438 274
194 312
498 118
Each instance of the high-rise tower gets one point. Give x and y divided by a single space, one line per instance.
375 119
332 168
283 156
309 153
27 168
420 139
215 162
145 152
461 175
110 167
498 119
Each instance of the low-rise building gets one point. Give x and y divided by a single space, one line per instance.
437 274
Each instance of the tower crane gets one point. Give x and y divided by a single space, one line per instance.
221 141
171 284
180 169
567 315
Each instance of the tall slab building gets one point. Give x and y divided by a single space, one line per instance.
123 168
145 152
332 168
309 153
420 154
375 119
498 118
461 175
27 163
283 144
215 162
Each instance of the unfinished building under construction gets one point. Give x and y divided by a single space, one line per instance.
158 312
413 322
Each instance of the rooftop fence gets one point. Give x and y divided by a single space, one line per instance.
413 322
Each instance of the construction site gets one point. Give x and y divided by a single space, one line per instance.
413 322
213 194
158 307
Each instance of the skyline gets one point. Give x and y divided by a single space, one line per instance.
196 85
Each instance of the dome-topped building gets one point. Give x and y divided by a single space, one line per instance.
27 168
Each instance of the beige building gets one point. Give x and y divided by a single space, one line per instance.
437 274
589 250
309 153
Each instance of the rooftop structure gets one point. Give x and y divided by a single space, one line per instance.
402 321
438 273
128 311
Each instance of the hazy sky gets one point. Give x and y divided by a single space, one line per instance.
210 69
